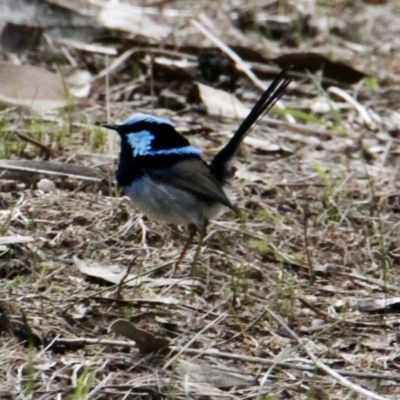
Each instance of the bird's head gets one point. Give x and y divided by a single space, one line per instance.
146 135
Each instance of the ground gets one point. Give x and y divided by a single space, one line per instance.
296 298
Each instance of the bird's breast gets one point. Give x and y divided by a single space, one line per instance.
170 204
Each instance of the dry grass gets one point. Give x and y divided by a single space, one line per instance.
319 235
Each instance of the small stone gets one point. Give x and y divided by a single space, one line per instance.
46 185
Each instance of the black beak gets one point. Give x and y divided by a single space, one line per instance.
110 126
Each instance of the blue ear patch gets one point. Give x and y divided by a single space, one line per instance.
136 118
141 146
140 142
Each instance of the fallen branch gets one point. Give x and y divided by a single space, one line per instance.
51 168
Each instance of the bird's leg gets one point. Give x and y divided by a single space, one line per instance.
202 234
192 232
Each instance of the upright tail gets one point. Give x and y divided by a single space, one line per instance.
220 163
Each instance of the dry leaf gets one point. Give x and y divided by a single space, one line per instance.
131 19
379 343
218 102
6 240
368 305
110 273
32 88
145 341
114 274
220 378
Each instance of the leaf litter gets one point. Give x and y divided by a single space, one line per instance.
297 299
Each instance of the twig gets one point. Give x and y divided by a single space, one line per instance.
239 63
379 282
121 283
230 356
313 129
193 339
99 386
45 149
325 315
334 373
7 240
351 100
311 274
91 48
7 166
110 67
243 329
98 293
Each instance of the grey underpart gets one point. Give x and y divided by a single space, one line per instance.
164 202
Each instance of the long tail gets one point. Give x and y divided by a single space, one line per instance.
220 163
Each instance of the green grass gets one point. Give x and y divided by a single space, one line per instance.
84 383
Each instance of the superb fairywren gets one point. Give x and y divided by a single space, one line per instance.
165 176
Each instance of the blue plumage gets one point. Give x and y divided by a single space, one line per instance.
179 151
141 145
152 119
140 142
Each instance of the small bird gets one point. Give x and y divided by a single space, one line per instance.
165 176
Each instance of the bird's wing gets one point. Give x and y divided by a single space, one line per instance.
194 176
